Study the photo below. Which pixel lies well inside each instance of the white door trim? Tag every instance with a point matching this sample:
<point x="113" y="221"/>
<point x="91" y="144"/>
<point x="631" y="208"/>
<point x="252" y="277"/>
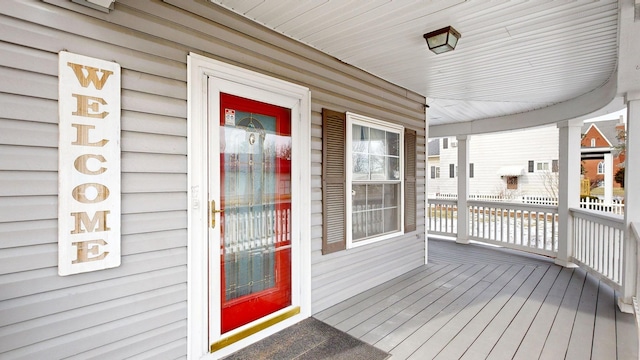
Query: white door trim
<point x="264" y="88"/>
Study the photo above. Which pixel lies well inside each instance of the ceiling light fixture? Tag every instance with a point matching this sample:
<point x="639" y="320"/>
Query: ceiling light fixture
<point x="442" y="40"/>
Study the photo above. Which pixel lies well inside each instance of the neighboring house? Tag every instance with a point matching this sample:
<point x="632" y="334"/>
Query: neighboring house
<point x="528" y="161"/>
<point x="600" y="153"/>
<point x="504" y="164"/>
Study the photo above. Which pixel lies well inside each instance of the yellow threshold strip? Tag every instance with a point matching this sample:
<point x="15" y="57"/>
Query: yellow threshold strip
<point x="254" y="329"/>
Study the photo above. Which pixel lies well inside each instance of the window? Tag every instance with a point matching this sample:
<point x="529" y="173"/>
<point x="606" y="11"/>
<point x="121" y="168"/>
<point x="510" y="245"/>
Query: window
<point x="470" y="170"/>
<point x="531" y="166"/>
<point x="601" y="168"/>
<point x="593" y="142"/>
<point x="435" y="172"/>
<point x="445" y="143"/>
<point x="452" y="170"/>
<point x="512" y="182"/>
<point x="554" y="166"/>
<point x="542" y="166"/>
<point x="374" y="179"/>
<point x="388" y="186"/>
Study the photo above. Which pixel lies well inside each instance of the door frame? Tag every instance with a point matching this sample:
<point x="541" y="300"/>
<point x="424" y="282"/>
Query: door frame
<point x="238" y="81"/>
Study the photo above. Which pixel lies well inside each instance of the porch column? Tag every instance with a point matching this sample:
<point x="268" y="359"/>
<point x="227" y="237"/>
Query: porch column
<point x="608" y="178"/>
<point x="568" y="186"/>
<point x="631" y="200"/>
<point x="463" y="190"/>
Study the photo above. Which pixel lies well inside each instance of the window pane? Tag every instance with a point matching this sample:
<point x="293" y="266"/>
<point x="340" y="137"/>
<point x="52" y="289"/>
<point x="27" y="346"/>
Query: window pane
<point x="393" y="144"/>
<point x="360" y="138"/>
<point x="391" y="195"/>
<point x="359" y="223"/>
<point x="359" y="196"/>
<point x="360" y="167"/>
<point x="377" y="143"/>
<point x="374" y="222"/>
<point x="376" y="164"/>
<point x="391" y="220"/>
<point x="393" y="169"/>
<point x="374" y="197"/>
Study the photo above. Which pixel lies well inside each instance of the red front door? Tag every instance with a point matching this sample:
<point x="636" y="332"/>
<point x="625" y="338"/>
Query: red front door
<point x="255" y="196"/>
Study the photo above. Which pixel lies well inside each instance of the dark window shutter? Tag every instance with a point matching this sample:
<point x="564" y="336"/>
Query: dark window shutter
<point x="452" y="171"/>
<point x="530" y="166"/>
<point x="445" y="143"/>
<point x="471" y="170"/>
<point x="433" y="172"/>
<point x="333" y="181"/>
<point x="410" y="196"/>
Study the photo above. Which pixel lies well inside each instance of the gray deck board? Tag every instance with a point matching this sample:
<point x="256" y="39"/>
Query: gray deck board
<point x="477" y="302"/>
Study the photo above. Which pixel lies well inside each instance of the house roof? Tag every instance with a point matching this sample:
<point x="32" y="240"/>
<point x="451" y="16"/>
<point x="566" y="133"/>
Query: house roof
<point x="517" y="64"/>
<point x="606" y="128"/>
<point x="434" y="147"/>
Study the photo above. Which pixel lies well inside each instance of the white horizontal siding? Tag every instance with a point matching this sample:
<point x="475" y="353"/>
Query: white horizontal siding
<point x="139" y="309"/>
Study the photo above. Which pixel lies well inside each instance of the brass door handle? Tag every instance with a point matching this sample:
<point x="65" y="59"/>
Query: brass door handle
<point x="213" y="211"/>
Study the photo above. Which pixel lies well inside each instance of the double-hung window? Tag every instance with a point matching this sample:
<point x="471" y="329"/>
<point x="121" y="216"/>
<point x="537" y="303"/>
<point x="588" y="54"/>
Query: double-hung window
<point x="374" y="178"/>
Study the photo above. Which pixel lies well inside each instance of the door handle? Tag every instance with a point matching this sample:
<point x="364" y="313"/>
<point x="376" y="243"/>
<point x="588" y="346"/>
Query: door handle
<point x="213" y="211"/>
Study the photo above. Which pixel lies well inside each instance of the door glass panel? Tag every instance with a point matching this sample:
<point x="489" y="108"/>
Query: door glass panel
<point x="255" y="190"/>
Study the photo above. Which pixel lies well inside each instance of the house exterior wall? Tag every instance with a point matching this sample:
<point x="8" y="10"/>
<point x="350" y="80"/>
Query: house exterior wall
<point x="490" y="152"/>
<point x="593" y="138"/>
<point x="140" y="308"/>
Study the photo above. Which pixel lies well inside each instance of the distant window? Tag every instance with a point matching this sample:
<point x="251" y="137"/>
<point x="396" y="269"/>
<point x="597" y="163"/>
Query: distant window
<point x="554" y="165"/>
<point x="445" y="143"/>
<point x="542" y="166"/>
<point x="437" y="172"/>
<point x="593" y="142"/>
<point x="471" y="170"/>
<point x="452" y="170"/>
<point x="433" y="172"/>
<point x="601" y="168"/>
<point x="512" y="182"/>
<point x="530" y="165"/>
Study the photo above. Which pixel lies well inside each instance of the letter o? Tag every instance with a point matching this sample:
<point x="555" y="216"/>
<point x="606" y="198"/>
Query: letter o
<point x="79" y="193"/>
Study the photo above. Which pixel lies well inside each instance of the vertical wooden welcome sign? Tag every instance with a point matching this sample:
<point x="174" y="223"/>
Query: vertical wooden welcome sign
<point x="88" y="164"/>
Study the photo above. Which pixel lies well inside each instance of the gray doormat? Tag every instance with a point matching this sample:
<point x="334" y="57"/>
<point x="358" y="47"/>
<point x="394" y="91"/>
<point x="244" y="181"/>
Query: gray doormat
<point x="309" y="339"/>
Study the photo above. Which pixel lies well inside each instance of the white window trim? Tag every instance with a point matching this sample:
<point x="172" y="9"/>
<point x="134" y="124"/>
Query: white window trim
<point x="367" y="121"/>
<point x="269" y="89"/>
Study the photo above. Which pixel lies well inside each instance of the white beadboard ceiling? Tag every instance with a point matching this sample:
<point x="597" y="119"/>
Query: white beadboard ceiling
<point x="513" y="57"/>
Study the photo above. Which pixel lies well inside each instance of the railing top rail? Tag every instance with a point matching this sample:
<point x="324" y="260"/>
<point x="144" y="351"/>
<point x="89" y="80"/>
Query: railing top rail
<point x="598" y="216"/>
<point x="442" y="201"/>
<point x="515" y="206"/>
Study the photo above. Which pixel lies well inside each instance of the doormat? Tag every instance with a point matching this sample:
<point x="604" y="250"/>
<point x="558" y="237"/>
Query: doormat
<point x="309" y="339"/>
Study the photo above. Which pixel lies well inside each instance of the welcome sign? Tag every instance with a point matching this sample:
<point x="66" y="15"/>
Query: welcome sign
<point x="88" y="164"/>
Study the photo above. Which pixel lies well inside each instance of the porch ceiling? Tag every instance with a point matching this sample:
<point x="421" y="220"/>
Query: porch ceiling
<point x="514" y="56"/>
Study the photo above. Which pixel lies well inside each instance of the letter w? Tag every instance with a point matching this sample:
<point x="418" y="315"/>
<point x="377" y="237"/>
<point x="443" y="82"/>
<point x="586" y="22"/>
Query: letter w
<point x="92" y="75"/>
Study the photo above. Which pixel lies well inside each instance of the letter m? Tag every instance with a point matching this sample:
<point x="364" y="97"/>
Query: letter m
<point x="91" y="75"/>
<point x="99" y="219"/>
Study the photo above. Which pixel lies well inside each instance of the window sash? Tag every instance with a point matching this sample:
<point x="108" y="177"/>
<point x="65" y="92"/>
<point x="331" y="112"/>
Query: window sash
<point x="367" y="223"/>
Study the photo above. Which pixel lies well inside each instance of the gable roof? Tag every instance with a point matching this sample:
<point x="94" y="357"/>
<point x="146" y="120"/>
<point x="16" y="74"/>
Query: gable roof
<point x="606" y="128"/>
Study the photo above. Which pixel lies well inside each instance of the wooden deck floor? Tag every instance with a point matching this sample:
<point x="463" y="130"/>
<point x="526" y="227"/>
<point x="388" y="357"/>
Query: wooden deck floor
<point x="475" y="302"/>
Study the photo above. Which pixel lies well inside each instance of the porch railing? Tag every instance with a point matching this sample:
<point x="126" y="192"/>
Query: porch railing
<point x="598" y="244"/>
<point x="532" y="228"/>
<point x="442" y="217"/>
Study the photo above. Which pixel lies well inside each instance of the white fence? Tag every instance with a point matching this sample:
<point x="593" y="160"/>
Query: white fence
<point x="585" y="203"/>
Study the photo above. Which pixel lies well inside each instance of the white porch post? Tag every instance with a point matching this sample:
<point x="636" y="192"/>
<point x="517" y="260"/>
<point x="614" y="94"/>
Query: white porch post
<point x="568" y="186"/>
<point x="608" y="178"/>
<point x="631" y="201"/>
<point x="463" y="190"/>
